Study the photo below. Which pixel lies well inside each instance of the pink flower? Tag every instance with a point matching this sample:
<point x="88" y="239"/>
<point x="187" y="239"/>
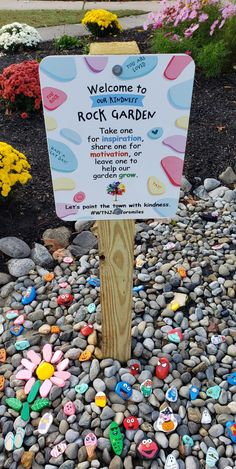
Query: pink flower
<point x="175" y="37"/>
<point x="193" y="15"/>
<point x="189" y="32"/>
<point x="222" y="24"/>
<point x="213" y="27"/>
<point x="203" y="17"/>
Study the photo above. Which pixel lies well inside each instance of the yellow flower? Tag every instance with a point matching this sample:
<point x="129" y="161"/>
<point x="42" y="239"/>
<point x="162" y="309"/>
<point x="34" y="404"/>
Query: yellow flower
<point x="14" y="168"/>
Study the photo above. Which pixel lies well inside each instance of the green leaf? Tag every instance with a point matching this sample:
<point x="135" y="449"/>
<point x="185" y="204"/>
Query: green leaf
<point x="40" y="404"/>
<point x="14" y="403"/>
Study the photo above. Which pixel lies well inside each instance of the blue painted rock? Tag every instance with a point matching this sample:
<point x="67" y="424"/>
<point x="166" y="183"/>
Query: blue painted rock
<point x="62" y="69"/>
<point x="16" y="330"/>
<point x="62" y="157"/>
<point x="172" y="394"/>
<point x="28" y="296"/>
<point x="214" y="392"/>
<point x="193" y="392"/>
<point x="22" y="344"/>
<point x="231" y="427"/>
<point x="232" y="379"/>
<point x="135" y="67"/>
<point x="123" y="390"/>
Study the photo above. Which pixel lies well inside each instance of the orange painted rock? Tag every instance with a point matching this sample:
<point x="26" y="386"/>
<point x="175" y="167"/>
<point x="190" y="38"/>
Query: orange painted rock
<point x="85" y="356"/>
<point x="48" y="277"/>
<point x="2" y="383"/>
<point x="55" y="330"/>
<point x="27" y="459"/>
<point x="3" y="355"/>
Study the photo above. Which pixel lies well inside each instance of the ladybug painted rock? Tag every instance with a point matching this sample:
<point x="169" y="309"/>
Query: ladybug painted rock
<point x="65" y="300"/>
<point x="162" y="368"/>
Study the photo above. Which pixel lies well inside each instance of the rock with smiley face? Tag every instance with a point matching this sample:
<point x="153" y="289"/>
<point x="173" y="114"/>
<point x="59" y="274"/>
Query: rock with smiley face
<point x="147" y="448"/>
<point x="166" y="421"/>
<point x="131" y="423"/>
<point x="116" y="438"/>
<point x="65" y="300"/>
<point x="90" y="443"/>
<point x="171" y="462"/>
<point x="162" y="368"/>
<point x="123" y="390"/>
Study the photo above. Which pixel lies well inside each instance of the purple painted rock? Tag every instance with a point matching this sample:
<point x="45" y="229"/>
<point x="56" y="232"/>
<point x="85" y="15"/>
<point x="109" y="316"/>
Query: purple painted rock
<point x="96" y="64"/>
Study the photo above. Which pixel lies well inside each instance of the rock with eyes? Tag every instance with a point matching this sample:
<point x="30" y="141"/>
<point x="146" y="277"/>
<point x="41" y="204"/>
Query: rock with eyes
<point x="162" y="368"/>
<point x="148" y="448"/>
<point x="131" y="423"/>
<point x="123" y="390"/>
<point x="90" y="443"/>
<point x="65" y="300"/>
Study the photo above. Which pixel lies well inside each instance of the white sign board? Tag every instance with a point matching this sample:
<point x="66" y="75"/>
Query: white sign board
<point x="116" y="130"/>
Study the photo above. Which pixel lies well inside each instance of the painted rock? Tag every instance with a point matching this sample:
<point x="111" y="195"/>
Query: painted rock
<point x="131" y="423"/>
<point x="146" y="387"/>
<point x="12" y="314"/>
<point x="175" y="336"/>
<point x="232" y="379"/>
<point x="182" y="122"/>
<point x="19" y="320"/>
<point x="34" y="357"/>
<point x="96" y="64"/>
<point x="28" y="296"/>
<point x="55" y="330"/>
<point x="162" y="368"/>
<point x="24" y="374"/>
<point x="45" y="423"/>
<point x="155" y="187"/>
<point x="22" y="344"/>
<point x="173" y="167"/>
<point x="85" y="356"/>
<point x="14" y="404"/>
<point x="90" y="443"/>
<point x="81" y="388"/>
<point x="3" y="355"/>
<point x="135" y="67"/>
<point x="214" y="392"/>
<point x="116" y="438"/>
<point x="171" y="462"/>
<point x="2" y="383"/>
<point x="87" y="330"/>
<point x="62" y="69"/>
<point x="187" y="440"/>
<point x="206" y="417"/>
<point x="135" y="369"/>
<point x="71" y="135"/>
<point x="50" y="123"/>
<point x="68" y="260"/>
<point x="58" y="450"/>
<point x="69" y="408"/>
<point x="193" y="392"/>
<point x="25" y="412"/>
<point x="138" y="288"/>
<point x="94" y="281"/>
<point x="45" y="371"/>
<point x="212" y="457"/>
<point x="166" y="421"/>
<point x="40" y="404"/>
<point x="62" y="158"/>
<point x="100" y="399"/>
<point x="27" y="459"/>
<point x="155" y="133"/>
<point x="147" y="449"/>
<point x="63" y="184"/>
<point x="176" y="142"/>
<point x="34" y="391"/>
<point x="48" y="277"/>
<point x="16" y="330"/>
<point x="180" y="95"/>
<point x="123" y="390"/>
<point x="231" y="427"/>
<point x="1" y="319"/>
<point x="174" y="306"/>
<point x="218" y="339"/>
<point x="91" y="308"/>
<point x="19" y="438"/>
<point x="172" y="394"/>
<point x="176" y="66"/>
<point x="65" y="300"/>
<point x="182" y="272"/>
<point x="28" y="365"/>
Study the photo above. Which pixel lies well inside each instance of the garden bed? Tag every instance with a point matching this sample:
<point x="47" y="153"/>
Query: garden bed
<point x="210" y="145"/>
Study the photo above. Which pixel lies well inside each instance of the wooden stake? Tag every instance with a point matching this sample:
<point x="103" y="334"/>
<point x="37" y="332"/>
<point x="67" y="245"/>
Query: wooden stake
<point x="116" y="245"/>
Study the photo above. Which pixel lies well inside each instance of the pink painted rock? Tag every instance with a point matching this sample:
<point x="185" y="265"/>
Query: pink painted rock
<point x="47" y="352"/>
<point x="176" y="65"/>
<point x="62" y="374"/>
<point x="29" y="385"/>
<point x="45" y="388"/>
<point x="20" y="320"/>
<point x="34" y="357"/>
<point x="176" y="142"/>
<point x="58" y="382"/>
<point x="69" y="408"/>
<point x="63" y="365"/>
<point x="28" y="365"/>
<point x="24" y="374"/>
<point x="96" y="64"/>
<point x="53" y="98"/>
<point x="57" y="356"/>
<point x="173" y="167"/>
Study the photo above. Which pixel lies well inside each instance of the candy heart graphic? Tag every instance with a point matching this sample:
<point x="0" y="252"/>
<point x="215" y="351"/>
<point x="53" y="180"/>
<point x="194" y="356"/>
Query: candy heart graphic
<point x="53" y="98"/>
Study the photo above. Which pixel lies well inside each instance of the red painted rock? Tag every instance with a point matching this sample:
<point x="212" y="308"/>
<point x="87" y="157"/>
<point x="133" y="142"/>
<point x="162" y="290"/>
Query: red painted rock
<point x="87" y="330"/>
<point x="131" y="423"/>
<point x="135" y="369"/>
<point x="65" y="300"/>
<point x="163" y="368"/>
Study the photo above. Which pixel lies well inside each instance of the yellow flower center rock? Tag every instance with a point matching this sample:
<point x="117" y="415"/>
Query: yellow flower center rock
<point x="45" y="371"/>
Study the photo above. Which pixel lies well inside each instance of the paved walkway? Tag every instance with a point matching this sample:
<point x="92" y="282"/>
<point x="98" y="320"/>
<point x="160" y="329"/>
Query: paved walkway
<point x="60" y="5"/>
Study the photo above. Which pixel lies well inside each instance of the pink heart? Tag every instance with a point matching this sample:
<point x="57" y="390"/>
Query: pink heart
<point x="20" y="319"/>
<point x="53" y="98"/>
<point x="176" y="142"/>
<point x="96" y="64"/>
<point x="173" y="167"/>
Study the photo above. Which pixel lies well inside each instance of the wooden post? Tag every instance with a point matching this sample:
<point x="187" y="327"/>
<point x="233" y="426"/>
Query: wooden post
<point x="116" y="244"/>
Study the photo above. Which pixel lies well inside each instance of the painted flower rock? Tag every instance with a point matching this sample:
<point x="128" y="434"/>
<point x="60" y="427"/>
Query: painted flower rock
<point x="116" y="438"/>
<point x="65" y="300"/>
<point x="166" y="421"/>
<point x="148" y="448"/>
<point x="162" y="368"/>
<point x="123" y="390"/>
<point x="28" y="296"/>
<point x="131" y="423"/>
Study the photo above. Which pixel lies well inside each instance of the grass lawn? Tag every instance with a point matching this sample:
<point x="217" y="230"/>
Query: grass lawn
<point x="40" y="18"/>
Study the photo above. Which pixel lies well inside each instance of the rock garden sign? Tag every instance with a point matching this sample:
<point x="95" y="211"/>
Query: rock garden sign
<point x="116" y="130"/>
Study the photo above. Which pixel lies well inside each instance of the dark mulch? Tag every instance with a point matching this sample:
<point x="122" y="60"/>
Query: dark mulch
<point x="210" y="149"/>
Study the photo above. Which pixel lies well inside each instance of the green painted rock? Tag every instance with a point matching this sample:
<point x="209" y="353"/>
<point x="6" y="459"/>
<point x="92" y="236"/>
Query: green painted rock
<point x="14" y="403"/>
<point x="116" y="438"/>
<point x="25" y="413"/>
<point x="40" y="404"/>
<point x="34" y="391"/>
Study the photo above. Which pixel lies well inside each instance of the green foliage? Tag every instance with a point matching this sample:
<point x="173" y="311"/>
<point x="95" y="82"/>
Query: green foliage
<point x="214" y="58"/>
<point x="66" y="42"/>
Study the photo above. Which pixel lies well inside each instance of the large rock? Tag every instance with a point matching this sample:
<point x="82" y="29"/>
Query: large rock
<point x="228" y="176"/>
<point x="41" y="256"/>
<point x="56" y="238"/>
<point x="83" y="242"/>
<point x="20" y="267"/>
<point x="14" y="247"/>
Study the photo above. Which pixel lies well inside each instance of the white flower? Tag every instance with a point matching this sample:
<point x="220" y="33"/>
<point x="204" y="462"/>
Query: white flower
<point x="14" y="35"/>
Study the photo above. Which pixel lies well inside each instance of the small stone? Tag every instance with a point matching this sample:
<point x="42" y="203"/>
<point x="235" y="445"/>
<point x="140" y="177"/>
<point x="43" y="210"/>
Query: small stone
<point x="211" y="183"/>
<point x="27" y="459"/>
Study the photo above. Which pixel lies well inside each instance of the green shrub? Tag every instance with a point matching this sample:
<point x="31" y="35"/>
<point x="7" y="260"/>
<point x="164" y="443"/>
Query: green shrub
<point x="66" y="42"/>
